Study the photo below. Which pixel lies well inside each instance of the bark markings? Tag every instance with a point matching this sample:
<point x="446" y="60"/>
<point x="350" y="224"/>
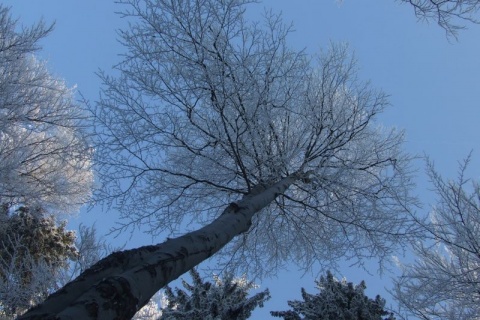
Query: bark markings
<point x="120" y="284"/>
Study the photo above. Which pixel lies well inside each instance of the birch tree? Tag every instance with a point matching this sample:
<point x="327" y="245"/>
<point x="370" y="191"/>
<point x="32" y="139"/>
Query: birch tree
<point x="215" y="120"/>
<point x="444" y="281"/>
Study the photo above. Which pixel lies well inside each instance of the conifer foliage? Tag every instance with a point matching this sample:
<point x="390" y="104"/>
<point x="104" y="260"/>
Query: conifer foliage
<point x="337" y="300"/>
<point x="33" y="250"/>
<point x="224" y="299"/>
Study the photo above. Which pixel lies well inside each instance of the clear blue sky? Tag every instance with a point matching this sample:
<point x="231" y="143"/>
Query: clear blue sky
<point x="434" y="86"/>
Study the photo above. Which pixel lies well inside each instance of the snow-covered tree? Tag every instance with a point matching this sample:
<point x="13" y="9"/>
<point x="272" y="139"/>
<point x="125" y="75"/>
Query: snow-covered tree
<point x="336" y="300"/>
<point x="444" y="281"/>
<point x="45" y="168"/>
<point x="225" y="299"/>
<point x="44" y="155"/>
<point x="216" y="120"/>
<point x="33" y="252"/>
<point x="38" y="256"/>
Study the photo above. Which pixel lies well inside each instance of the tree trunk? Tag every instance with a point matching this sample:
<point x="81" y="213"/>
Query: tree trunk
<point x="120" y="284"/>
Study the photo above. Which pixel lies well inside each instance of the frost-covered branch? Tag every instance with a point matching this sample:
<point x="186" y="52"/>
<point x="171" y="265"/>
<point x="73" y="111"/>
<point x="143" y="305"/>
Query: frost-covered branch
<point x="208" y="105"/>
<point x="44" y="156"/>
<point x="449" y="14"/>
<point x="444" y="282"/>
<point x="225" y="298"/>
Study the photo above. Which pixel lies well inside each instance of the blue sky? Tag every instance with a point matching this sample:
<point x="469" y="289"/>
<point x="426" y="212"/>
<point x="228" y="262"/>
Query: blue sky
<point x="434" y="86"/>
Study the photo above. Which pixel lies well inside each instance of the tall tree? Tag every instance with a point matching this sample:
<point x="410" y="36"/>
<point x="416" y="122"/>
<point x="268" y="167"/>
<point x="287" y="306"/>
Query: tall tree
<point x="216" y="120"/>
<point x="44" y="155"/>
<point x="444" y="282"/>
<point x="225" y="299"/>
<point x="337" y="300"/>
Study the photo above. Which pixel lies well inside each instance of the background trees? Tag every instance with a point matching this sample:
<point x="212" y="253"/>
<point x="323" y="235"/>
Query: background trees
<point x="44" y="155"/>
<point x="444" y="282"/>
<point x="44" y="169"/>
<point x="336" y="300"/>
<point x="153" y="309"/>
<point x="33" y="252"/>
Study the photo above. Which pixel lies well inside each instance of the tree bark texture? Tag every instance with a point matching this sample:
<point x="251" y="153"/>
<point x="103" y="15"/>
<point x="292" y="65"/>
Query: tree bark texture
<point x="120" y="284"/>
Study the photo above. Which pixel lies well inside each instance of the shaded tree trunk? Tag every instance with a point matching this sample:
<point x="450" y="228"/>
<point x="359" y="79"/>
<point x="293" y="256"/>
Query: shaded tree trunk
<point x="120" y="284"/>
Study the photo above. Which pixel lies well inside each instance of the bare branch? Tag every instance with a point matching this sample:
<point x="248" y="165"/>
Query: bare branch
<point x="449" y="14"/>
<point x="443" y="283"/>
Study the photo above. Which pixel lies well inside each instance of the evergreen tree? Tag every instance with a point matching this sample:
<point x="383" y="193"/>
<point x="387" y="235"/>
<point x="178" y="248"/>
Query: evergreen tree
<point x="33" y="250"/>
<point x="337" y="300"/>
<point x="224" y="299"/>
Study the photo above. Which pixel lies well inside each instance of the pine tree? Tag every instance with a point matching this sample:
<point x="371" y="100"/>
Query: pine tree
<point x="224" y="299"/>
<point x="33" y="250"/>
<point x="337" y="300"/>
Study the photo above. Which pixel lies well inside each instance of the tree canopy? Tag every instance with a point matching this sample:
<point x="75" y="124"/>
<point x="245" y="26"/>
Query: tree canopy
<point x="208" y="107"/>
<point x="45" y="159"/>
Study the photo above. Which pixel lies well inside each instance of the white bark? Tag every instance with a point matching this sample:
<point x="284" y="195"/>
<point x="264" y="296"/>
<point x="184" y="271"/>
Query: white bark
<point x="119" y="285"/>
